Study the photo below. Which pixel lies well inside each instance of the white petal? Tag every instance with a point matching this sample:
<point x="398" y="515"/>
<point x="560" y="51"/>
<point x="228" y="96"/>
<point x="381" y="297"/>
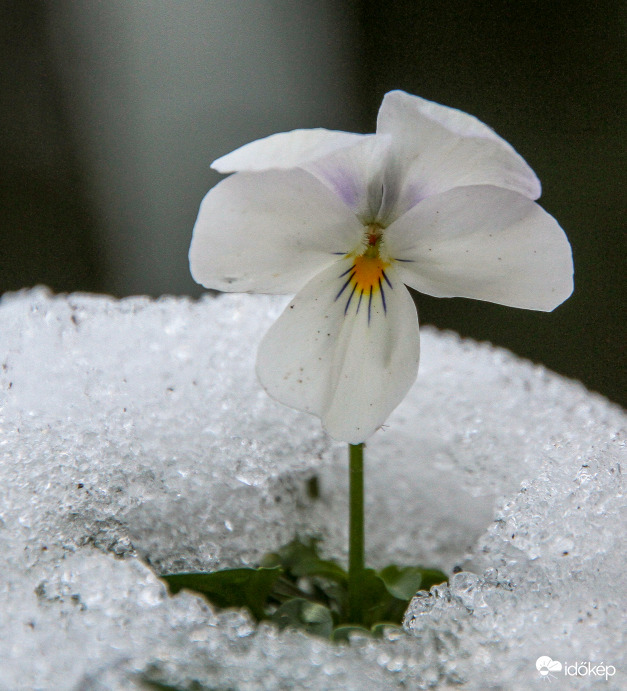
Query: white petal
<point x="398" y="104"/>
<point x="485" y="243"/>
<point x="362" y="175"/>
<point x="269" y="232"/>
<point x="349" y="362"/>
<point x="444" y="148"/>
<point x="284" y="150"/>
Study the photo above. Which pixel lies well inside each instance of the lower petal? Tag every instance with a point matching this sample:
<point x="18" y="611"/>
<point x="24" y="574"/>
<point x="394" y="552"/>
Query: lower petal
<point x="345" y="354"/>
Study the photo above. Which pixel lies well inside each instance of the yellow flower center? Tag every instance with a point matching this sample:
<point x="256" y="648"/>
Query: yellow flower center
<point x="368" y="273"/>
<point x="366" y="276"/>
<point x="368" y="268"/>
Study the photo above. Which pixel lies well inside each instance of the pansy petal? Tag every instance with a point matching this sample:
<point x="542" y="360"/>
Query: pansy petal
<point x="284" y="150"/>
<point x="347" y="357"/>
<point x="456" y="121"/>
<point x="442" y="148"/>
<point x="269" y="232"/>
<point x="362" y="175"/>
<point x="485" y="243"/>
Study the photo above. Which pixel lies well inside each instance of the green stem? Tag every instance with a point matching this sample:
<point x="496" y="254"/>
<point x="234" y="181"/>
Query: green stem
<point x="356" y="532"/>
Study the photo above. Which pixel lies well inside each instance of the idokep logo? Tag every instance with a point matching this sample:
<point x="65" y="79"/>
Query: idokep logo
<point x="549" y="668"/>
<point x="589" y="669"/>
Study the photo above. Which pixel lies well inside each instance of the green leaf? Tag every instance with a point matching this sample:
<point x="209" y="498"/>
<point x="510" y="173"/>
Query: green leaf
<point x="148" y="683"/>
<point x="379" y="628"/>
<point x="377" y="603"/>
<point x="373" y="590"/>
<point x="431" y="577"/>
<point x="404" y="582"/>
<point x="306" y="616"/>
<point x="300" y="559"/>
<point x="230" y="587"/>
<point x="311" y="593"/>
<point x="158" y="686"/>
<point x="342" y="633"/>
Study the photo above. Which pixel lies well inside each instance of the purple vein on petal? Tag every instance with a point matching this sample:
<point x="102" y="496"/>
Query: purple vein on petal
<point x="346" y="272"/>
<point x="343" y="288"/>
<point x="387" y="280"/>
<point x="369" y="305"/>
<point x="359" y="303"/>
<point x="350" y="297"/>
<point x="385" y="309"/>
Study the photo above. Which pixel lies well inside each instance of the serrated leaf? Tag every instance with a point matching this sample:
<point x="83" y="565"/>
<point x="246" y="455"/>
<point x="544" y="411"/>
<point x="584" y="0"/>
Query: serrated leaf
<point x="307" y="616"/>
<point x="230" y="587"/>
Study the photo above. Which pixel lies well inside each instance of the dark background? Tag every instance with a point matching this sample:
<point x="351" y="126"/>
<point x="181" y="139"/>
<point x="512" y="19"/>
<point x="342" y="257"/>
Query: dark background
<point x="111" y="114"/>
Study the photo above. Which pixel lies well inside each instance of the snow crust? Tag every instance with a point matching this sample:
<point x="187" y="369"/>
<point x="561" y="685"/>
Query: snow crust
<point x="135" y="440"/>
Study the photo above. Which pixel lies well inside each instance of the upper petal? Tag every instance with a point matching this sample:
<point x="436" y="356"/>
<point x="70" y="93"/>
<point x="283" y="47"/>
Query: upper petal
<point x="363" y="175"/>
<point x="442" y="148"/>
<point x="485" y="243"/>
<point x="284" y="150"/>
<point x="269" y="232"/>
<point x="399" y="104"/>
<point x="349" y="359"/>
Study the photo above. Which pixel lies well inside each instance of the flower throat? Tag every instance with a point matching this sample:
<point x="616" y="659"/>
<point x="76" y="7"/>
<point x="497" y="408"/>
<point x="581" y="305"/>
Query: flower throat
<point x="368" y="270"/>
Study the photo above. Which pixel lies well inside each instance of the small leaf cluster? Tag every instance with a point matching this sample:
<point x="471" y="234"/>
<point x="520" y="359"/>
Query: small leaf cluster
<point x="294" y="587"/>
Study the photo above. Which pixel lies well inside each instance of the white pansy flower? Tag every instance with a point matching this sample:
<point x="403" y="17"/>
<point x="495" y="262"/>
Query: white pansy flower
<point x="435" y="200"/>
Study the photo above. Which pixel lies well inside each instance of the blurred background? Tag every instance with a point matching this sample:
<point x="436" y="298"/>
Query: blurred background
<point x="111" y="113"/>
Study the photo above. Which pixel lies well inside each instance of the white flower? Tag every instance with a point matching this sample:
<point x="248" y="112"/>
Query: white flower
<point x="435" y="200"/>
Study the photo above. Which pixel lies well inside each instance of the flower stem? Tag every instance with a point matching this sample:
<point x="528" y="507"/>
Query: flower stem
<point x="356" y="532"/>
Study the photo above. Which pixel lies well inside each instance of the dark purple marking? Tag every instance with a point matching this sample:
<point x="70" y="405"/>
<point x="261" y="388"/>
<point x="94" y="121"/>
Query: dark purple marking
<point x="385" y="309"/>
<point x="359" y="303"/>
<point x="350" y="297"/>
<point x="369" y="305"/>
<point x="387" y="280"/>
<point x="346" y="272"/>
<point x="343" y="288"/>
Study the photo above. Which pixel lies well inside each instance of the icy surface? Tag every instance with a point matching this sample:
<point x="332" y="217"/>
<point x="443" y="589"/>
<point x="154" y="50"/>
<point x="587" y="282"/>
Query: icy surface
<point x="135" y="440"/>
